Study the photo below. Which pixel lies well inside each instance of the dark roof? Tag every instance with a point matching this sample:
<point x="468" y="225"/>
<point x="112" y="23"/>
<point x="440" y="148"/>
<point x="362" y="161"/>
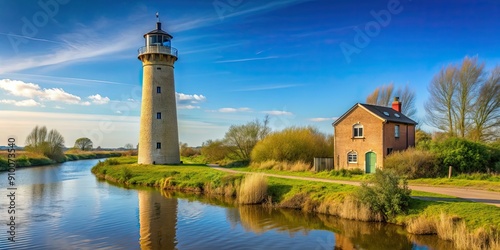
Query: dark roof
<point x="385" y="113"/>
<point x="158" y="31"/>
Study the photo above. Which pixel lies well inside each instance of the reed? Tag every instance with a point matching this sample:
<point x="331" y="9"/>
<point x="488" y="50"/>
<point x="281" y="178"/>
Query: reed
<point x="253" y="189"/>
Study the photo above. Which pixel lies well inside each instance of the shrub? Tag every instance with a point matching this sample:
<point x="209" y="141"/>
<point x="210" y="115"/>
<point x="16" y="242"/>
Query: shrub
<point x="384" y="194"/>
<point x="214" y="151"/>
<point x="463" y="155"/>
<point x="111" y="162"/>
<point x="293" y="145"/>
<point x="412" y="163"/>
<point x="126" y="174"/>
<point x="253" y="189"/>
<point x="298" y="166"/>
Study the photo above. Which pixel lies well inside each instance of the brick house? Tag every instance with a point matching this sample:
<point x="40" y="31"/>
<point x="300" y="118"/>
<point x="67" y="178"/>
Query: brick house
<point x="367" y="133"/>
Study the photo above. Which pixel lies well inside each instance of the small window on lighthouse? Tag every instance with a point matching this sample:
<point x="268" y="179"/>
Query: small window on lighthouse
<point x="158" y="145"/>
<point x="158" y="115"/>
<point x="158" y="89"/>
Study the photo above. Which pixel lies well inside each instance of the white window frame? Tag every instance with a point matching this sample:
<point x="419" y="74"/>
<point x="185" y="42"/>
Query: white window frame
<point x="356" y="128"/>
<point x="352" y="157"/>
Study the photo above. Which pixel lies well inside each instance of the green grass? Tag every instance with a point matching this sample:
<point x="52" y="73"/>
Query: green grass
<point x="305" y="195"/>
<point x="476" y="215"/>
<point x="456" y="182"/>
<point x="330" y="175"/>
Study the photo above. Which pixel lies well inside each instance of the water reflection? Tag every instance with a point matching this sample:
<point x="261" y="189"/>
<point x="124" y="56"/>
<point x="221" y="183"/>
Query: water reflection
<point x="157" y="219"/>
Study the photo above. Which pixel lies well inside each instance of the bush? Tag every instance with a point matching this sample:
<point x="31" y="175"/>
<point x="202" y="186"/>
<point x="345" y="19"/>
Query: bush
<point x="463" y="155"/>
<point x="293" y="145"/>
<point x="298" y="166"/>
<point x="384" y="194"/>
<point x="214" y="151"/>
<point x="253" y="189"/>
<point x="412" y="163"/>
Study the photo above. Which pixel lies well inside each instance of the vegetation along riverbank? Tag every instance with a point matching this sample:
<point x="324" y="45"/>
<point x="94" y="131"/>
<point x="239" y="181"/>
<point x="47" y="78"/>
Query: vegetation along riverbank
<point x="468" y="225"/>
<point x="30" y="159"/>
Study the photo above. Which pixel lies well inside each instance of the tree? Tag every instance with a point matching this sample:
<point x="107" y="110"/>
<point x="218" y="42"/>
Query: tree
<point x="383" y="96"/>
<point x="214" y="151"/>
<point x="293" y="145"/>
<point x="84" y="144"/>
<point x="440" y="107"/>
<point x="50" y="145"/>
<point x="129" y="146"/>
<point x="464" y="103"/>
<point x="486" y="115"/>
<point x="241" y="139"/>
<point x="469" y="78"/>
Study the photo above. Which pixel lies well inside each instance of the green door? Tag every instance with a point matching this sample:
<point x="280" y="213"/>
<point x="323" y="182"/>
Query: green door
<point x="370" y="161"/>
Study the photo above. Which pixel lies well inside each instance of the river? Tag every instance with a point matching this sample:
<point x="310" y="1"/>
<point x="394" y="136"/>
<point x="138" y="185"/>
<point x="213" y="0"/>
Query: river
<point x="65" y="207"/>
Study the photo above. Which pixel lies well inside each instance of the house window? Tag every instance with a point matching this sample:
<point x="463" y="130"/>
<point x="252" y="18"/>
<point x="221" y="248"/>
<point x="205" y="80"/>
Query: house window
<point x="357" y="131"/>
<point x="158" y="89"/>
<point x="158" y="145"/>
<point x="396" y="131"/>
<point x="352" y="157"/>
<point x="158" y="115"/>
<point x="158" y="68"/>
<point x="389" y="151"/>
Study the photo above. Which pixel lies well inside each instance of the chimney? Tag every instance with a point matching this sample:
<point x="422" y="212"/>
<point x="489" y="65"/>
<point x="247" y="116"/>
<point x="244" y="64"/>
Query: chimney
<point x="396" y="104"/>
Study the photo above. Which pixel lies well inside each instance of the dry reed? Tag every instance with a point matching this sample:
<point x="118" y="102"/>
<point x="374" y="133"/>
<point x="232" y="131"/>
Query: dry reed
<point x="253" y="189"/>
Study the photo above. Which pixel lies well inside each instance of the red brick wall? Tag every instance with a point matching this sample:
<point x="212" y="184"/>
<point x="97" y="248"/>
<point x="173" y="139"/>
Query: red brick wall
<point x="372" y="141"/>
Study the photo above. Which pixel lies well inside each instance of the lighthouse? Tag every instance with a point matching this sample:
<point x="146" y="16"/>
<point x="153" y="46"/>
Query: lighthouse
<point x="158" y="133"/>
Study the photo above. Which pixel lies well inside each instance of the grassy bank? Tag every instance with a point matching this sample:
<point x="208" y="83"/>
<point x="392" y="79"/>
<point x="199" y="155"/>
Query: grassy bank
<point x="28" y="159"/>
<point x="476" y="181"/>
<point x="476" y="222"/>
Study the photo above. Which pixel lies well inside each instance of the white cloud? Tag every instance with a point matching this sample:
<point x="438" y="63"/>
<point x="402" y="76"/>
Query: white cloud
<point x="98" y="99"/>
<point x="323" y="119"/>
<point x="58" y="94"/>
<point x="188" y="107"/>
<point x="234" y="110"/>
<point x="277" y="112"/>
<point x="23" y="103"/>
<point x="184" y="98"/>
<point x="19" y="88"/>
<point x="34" y="91"/>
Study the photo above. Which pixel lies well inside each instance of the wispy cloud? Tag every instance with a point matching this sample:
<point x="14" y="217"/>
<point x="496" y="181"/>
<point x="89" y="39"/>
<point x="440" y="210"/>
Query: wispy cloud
<point x="268" y="87"/>
<point x="248" y="59"/>
<point x="59" y="79"/>
<point x="323" y="119"/>
<point x="23" y="103"/>
<point x="277" y="112"/>
<point x="234" y="110"/>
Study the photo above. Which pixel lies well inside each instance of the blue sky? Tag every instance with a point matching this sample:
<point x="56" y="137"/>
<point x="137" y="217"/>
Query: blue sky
<point x="72" y="65"/>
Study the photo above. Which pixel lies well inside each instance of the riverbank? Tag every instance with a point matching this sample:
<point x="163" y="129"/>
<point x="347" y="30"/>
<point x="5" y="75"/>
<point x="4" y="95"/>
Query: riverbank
<point x="27" y="159"/>
<point x="469" y="225"/>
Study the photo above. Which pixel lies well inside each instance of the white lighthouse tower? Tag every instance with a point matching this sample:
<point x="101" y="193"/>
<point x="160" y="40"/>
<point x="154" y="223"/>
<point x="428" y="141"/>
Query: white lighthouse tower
<point x="158" y="138"/>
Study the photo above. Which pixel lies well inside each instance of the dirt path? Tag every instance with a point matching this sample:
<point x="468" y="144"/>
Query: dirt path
<point x="488" y="197"/>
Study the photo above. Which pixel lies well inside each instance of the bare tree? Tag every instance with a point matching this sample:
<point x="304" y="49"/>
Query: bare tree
<point x="440" y="106"/>
<point x="463" y="103"/>
<point x="383" y="96"/>
<point x="469" y="79"/>
<point x="50" y="144"/>
<point x="36" y="139"/>
<point x="486" y="110"/>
